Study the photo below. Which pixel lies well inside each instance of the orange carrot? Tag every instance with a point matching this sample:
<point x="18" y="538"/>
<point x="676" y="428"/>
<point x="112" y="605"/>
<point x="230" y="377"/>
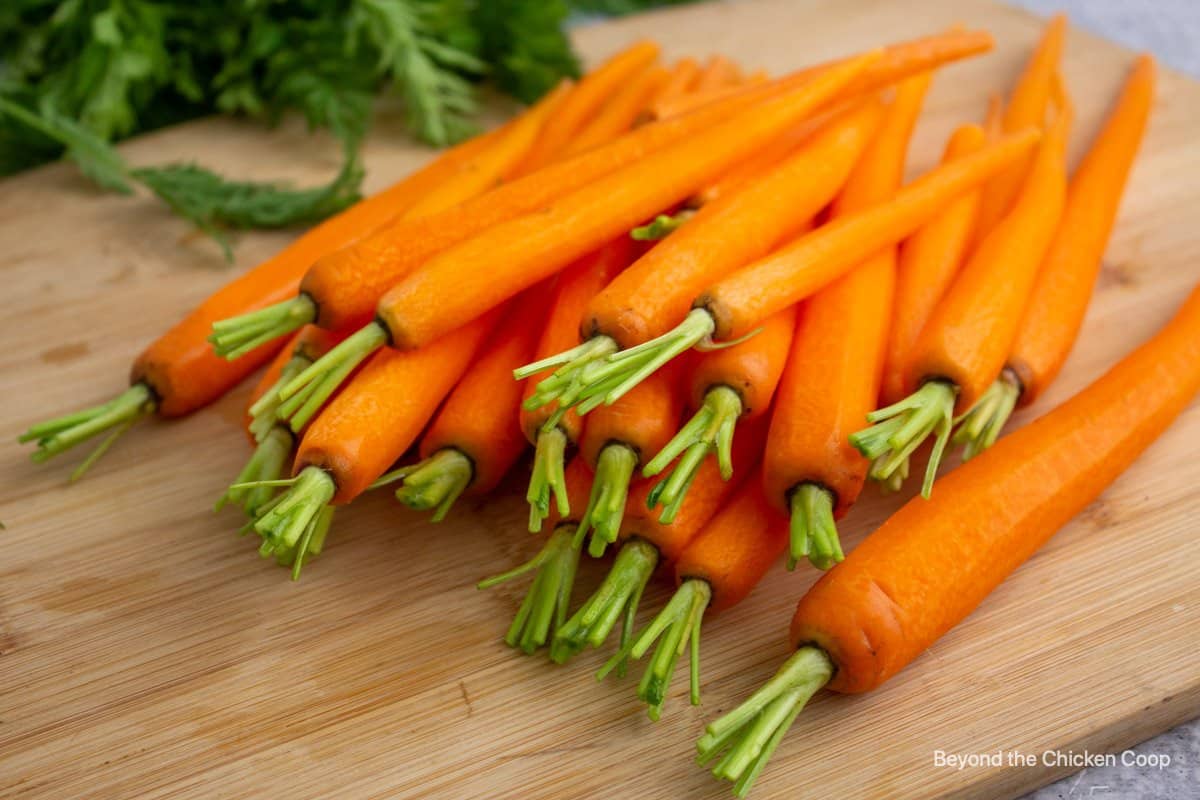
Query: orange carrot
<point x="1060" y="296"/>
<point x="718" y="73"/>
<point x="362" y="432"/>
<point x="648" y="542"/>
<point x="619" y="114"/>
<point x="966" y="341"/>
<point x="474" y="276"/>
<point x="735" y="305"/>
<point x="681" y="81"/>
<point x="932" y="563"/>
<point x="594" y="89"/>
<point x="831" y="382"/>
<point x="544" y="608"/>
<point x="654" y="293"/>
<point x="549" y="432"/>
<point x="1027" y="106"/>
<point x="928" y="262"/>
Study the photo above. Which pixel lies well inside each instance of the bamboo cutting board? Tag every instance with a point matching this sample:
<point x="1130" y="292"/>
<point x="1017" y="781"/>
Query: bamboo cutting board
<point x="146" y="651"/>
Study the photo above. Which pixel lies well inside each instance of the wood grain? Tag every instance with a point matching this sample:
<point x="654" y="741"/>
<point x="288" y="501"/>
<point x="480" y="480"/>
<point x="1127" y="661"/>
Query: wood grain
<point x="145" y="650"/>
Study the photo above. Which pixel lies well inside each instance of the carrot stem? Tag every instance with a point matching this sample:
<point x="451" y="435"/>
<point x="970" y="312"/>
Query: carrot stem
<point x="564" y="382"/>
<point x="264" y="412"/>
<point x="117" y="415"/>
<point x="437" y="482"/>
<point x="302" y="396"/>
<point x="289" y="526"/>
<point x="813" y="532"/>
<point x="234" y="337"/>
<point x="606" y="503"/>
<point x="548" y="478"/>
<point x="676" y="628"/>
<point x="901" y="428"/>
<point x="671" y="491"/>
<point x="980" y="426"/>
<point x="661" y="226"/>
<point x="713" y="426"/>
<point x="544" y="609"/>
<point x="751" y="732"/>
<point x="269" y="461"/>
<point x="619" y="593"/>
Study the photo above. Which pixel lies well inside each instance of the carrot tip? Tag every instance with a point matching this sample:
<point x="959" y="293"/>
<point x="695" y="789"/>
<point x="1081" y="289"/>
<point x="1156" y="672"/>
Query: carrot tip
<point x="267" y="464"/>
<point x="548" y="479"/>
<point x="436" y="482"/>
<point x="303" y="396"/>
<point x="661" y="226"/>
<point x="814" y="534"/>
<point x="297" y="520"/>
<point x="751" y="732"/>
<point x="606" y="503"/>
<point x="234" y="337"/>
<point x="618" y="595"/>
<point x="545" y="606"/>
<point x="115" y="417"/>
<point x="980" y="426"/>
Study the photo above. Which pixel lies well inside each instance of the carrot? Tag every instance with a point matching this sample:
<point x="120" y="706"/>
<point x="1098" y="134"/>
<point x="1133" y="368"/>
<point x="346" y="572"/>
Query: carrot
<point x="619" y="114"/>
<point x="362" y="432"/>
<point x="648" y="542"/>
<point x="927" y="264"/>
<point x="726" y="386"/>
<point x="719" y="72"/>
<point x="616" y="441"/>
<point x="544" y="608"/>
<point x="1060" y="296"/>
<point x="831" y="381"/>
<point x="464" y="281"/>
<point x="178" y="373"/>
<point x="734" y="306"/>
<point x="1027" y="106"/>
<point x="966" y="341"/>
<point x="655" y="291"/>
<point x="932" y="563"/>
<point x="594" y="89"/>
<point x="549" y="432"/>
<point x="681" y="81"/>
<point x="472" y="442"/>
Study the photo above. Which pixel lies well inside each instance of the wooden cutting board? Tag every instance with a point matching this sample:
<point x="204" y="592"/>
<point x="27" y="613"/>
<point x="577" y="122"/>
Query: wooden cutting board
<point x="146" y="651"/>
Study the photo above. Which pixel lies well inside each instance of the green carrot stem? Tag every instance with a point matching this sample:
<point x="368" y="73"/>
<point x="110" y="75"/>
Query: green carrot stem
<point x="662" y="226"/>
<point x="814" y="533"/>
<point x="264" y="413"/>
<point x="672" y="491"/>
<point x="116" y="416"/>
<point x="302" y="396"/>
<point x="569" y="365"/>
<point x="606" y="503"/>
<point x="437" y="482"/>
<point x="750" y="733"/>
<point x="929" y="411"/>
<point x="980" y="426"/>
<point x="297" y="514"/>
<point x="544" y="608"/>
<point x="712" y="425"/>
<point x="617" y="596"/>
<point x="234" y="337"/>
<point x="548" y="479"/>
<point x="676" y="628"/>
<point x="269" y="461"/>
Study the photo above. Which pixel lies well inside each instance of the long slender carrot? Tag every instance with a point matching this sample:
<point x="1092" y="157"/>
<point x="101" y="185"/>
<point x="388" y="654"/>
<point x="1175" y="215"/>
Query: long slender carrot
<point x="359" y="435"/>
<point x="178" y="373"/>
<point x="472" y="441"/>
<point x="718" y="72"/>
<point x="545" y="606"/>
<point x="650" y="296"/>
<point x="646" y="543"/>
<point x="726" y="387"/>
<point x="682" y="81"/>
<point x="964" y="345"/>
<point x="735" y="305"/>
<point x="928" y="262"/>
<point x="932" y="563"/>
<point x="1064" y="284"/>
<point x="470" y="278"/>
<point x="832" y="377"/>
<point x="619" y="114"/>
<point x="594" y="89"/>
<point x="550" y="433"/>
<point x="1027" y="106"/>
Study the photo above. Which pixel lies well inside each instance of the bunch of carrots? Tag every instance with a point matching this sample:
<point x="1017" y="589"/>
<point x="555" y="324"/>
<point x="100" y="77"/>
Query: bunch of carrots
<point x="726" y="311"/>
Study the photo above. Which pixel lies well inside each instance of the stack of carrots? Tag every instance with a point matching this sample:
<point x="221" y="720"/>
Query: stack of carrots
<point x="729" y="312"/>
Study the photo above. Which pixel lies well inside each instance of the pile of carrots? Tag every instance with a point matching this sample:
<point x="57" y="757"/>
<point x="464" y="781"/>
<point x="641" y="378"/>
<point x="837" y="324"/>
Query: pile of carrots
<point x="726" y="311"/>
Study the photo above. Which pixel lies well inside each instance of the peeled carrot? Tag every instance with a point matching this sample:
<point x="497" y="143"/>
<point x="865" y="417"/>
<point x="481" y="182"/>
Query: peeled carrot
<point x="648" y="542"/>
<point x="619" y="114"/>
<point x="549" y="432"/>
<point x="831" y="382"/>
<point x="928" y="262"/>
<point x="681" y="81"/>
<point x="359" y="435"/>
<point x="932" y="563"/>
<point x="718" y="72"/>
<point x="966" y="341"/>
<point x="654" y="293"/>
<point x="472" y="441"/>
<point x="1060" y="296"/>
<point x="1027" y="106"/>
<point x="544" y="608"/>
